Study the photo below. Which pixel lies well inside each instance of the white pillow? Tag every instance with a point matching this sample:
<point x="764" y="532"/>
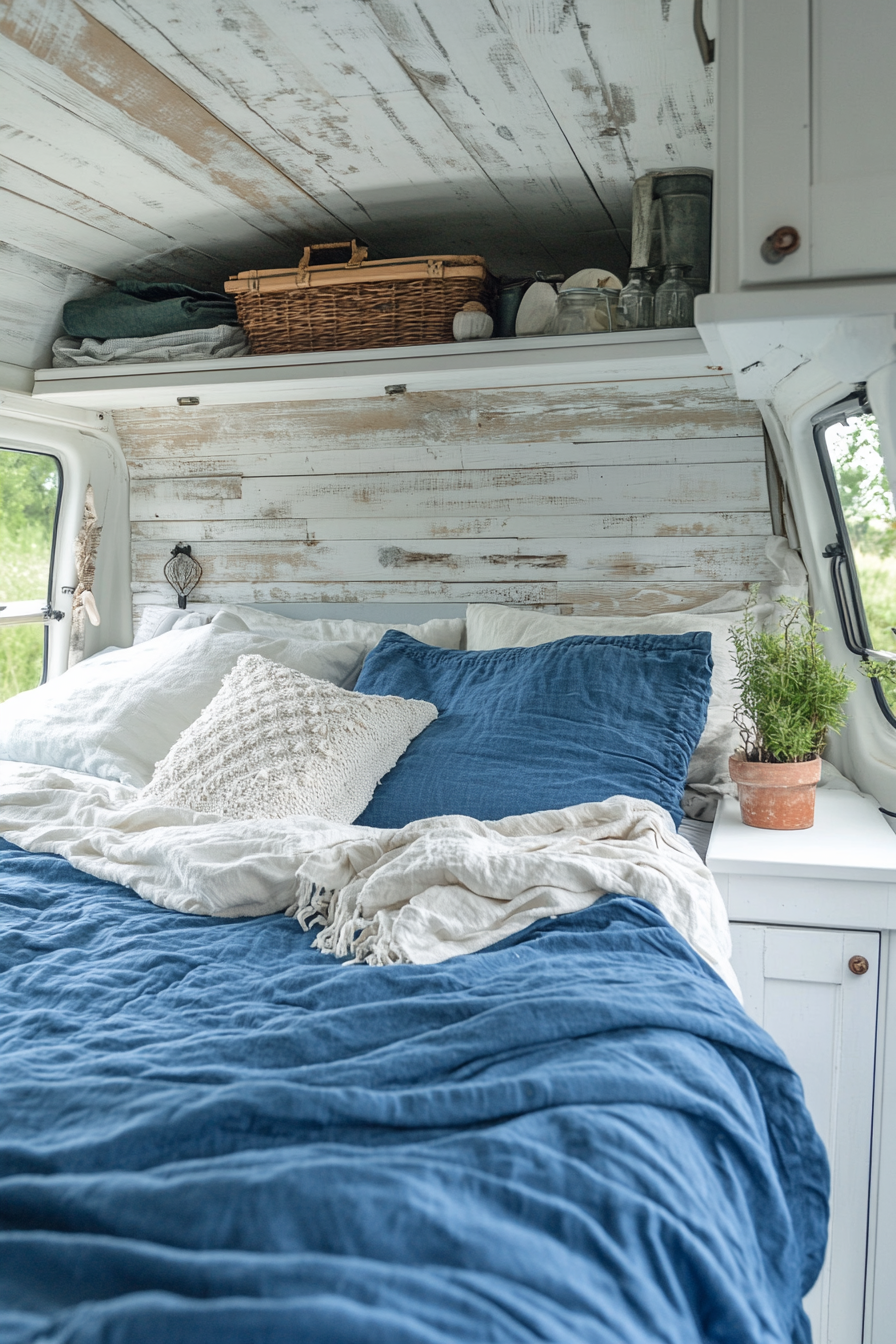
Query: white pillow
<point x="115" y="715"/>
<point x="443" y="632"/>
<point x="155" y="621"/>
<point x="274" y="743"/>
<point x="492" y="627"/>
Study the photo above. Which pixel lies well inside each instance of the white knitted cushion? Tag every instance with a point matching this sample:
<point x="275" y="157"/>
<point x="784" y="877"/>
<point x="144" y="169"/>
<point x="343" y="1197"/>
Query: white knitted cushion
<point x="275" y="743"/>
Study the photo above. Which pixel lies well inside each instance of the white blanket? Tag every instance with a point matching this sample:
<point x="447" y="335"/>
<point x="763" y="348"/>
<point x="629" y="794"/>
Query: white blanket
<point x="429" y="891"/>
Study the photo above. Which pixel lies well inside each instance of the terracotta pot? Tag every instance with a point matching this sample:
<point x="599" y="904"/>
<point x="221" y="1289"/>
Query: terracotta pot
<point x="776" y="797"/>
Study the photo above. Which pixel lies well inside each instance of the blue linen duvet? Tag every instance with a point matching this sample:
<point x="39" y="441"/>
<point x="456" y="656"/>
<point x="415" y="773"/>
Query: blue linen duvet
<point x="211" y="1134"/>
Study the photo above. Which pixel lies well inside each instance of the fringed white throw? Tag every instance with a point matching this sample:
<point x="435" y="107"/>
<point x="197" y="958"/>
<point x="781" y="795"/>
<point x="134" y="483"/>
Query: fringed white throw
<point x="422" y="894"/>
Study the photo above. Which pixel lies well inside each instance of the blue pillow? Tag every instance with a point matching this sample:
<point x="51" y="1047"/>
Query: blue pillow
<point x="521" y="730"/>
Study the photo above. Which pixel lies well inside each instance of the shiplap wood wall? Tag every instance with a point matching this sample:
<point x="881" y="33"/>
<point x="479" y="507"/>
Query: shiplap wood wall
<point x="182" y="141"/>
<point x="631" y="496"/>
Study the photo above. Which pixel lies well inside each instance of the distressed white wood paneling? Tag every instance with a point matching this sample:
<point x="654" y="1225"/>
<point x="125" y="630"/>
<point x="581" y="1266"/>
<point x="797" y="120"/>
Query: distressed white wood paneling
<point x="625" y="104"/>
<point x="566" y="597"/>
<point x="154" y="139"/>
<point x="496" y="526"/>
<point x="536" y="492"/>
<point x="205" y="459"/>
<point x="459" y="497"/>
<point x="555" y="421"/>
<point x="659" y="558"/>
<point x="32" y="292"/>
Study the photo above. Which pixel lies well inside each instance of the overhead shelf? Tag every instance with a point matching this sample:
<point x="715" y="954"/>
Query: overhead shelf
<point x="523" y="362"/>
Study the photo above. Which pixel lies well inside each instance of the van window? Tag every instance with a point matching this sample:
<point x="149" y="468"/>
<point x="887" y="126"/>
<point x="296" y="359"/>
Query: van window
<point x="29" y="499"/>
<point x="867" y="533"/>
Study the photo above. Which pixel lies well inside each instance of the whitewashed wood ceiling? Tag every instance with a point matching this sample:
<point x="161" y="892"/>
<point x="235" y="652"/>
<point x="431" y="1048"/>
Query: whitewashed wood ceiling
<point x="188" y="139"/>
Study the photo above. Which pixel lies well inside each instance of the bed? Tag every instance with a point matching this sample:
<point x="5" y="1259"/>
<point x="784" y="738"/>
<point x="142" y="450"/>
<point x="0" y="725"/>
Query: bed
<point x="209" y="1131"/>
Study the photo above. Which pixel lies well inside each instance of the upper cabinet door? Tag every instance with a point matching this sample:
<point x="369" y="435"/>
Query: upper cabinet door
<point x="773" y="84"/>
<point x="807" y="139"/>
<point x="853" y="185"/>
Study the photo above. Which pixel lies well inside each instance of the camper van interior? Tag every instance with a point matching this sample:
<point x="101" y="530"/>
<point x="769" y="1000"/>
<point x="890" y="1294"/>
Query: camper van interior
<point x="447" y="672"/>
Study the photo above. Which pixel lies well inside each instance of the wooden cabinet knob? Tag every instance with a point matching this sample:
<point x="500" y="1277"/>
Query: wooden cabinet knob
<point x="780" y="244"/>
<point x="858" y="965"/>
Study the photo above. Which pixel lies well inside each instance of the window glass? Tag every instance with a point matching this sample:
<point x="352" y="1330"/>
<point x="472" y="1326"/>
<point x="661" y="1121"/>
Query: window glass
<point x="29" y="492"/>
<point x="867" y="503"/>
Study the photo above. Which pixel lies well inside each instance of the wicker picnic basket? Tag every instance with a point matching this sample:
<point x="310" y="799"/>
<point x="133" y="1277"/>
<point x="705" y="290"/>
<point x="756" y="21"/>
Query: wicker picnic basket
<point x="357" y="304"/>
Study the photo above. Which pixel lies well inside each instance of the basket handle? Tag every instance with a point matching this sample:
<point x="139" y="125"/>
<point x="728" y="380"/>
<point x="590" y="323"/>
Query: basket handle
<point x="359" y="254"/>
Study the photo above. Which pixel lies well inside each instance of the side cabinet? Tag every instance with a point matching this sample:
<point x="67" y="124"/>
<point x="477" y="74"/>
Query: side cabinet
<point x="809" y="989"/>
<point x="807" y="103"/>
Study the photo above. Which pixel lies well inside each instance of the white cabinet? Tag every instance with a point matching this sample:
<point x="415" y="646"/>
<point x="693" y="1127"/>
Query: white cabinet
<point x="799" y="985"/>
<point x="807" y="107"/>
<point x="802" y="905"/>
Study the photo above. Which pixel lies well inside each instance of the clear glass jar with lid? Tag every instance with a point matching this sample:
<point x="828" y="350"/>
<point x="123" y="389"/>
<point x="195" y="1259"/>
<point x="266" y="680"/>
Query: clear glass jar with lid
<point x="675" y="299"/>
<point x="582" y="312"/>
<point x="635" y="309"/>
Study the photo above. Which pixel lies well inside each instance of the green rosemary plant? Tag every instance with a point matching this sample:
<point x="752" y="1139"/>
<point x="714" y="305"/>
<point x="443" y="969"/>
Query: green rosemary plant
<point x="790" y="694"/>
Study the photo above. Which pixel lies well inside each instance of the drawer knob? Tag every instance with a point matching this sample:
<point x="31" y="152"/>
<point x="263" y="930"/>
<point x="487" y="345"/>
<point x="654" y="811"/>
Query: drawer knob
<point x="858" y="965"/>
<point x="780" y="244"/>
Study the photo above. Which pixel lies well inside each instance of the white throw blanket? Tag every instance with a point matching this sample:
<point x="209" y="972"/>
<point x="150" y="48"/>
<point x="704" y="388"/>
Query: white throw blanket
<point x="432" y="890"/>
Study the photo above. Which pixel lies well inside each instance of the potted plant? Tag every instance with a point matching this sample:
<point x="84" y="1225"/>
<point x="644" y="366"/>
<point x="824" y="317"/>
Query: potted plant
<point x="790" y="697"/>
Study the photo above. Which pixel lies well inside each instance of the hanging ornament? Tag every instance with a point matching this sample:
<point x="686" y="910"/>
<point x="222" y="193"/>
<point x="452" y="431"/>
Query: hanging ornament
<point x="183" y="572"/>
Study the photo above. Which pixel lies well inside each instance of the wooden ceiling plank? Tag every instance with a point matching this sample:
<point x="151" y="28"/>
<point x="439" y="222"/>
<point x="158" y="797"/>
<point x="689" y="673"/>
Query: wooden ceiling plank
<point x="68" y="56"/>
<point x="131" y="240"/>
<point x="221" y="76"/>
<point x="626" y="83"/>
<point x="36" y="131"/>
<point x="317" y="92"/>
<point x="466" y="65"/>
<point x="39" y="228"/>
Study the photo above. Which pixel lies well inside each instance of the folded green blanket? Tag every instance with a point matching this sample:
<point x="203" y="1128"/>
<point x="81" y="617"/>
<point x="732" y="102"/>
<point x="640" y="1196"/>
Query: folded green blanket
<point x="136" y="308"/>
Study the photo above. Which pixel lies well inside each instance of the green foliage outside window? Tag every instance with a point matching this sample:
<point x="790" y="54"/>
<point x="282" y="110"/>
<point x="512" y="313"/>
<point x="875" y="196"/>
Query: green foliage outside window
<point x="29" y="486"/>
<point x="870" y="520"/>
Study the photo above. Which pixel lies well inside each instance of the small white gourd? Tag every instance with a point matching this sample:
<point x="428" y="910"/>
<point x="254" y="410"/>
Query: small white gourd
<point x="472" y="323"/>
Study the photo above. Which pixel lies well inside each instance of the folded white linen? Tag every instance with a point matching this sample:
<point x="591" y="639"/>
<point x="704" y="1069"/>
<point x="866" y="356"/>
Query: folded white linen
<point x="430" y="891"/>
<point x="221" y="342"/>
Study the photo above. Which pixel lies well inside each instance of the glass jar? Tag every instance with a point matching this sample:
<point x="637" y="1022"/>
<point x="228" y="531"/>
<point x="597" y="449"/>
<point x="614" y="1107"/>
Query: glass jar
<point x="675" y="299"/>
<point x="635" y="302"/>
<point x="582" y="312"/>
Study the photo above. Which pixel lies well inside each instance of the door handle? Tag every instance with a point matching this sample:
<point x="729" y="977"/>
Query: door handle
<point x="706" y="43"/>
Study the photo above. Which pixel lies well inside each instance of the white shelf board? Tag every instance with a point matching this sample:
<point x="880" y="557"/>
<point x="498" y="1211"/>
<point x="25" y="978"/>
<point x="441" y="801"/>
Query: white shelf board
<point x="537" y="360"/>
<point x="850" y="840"/>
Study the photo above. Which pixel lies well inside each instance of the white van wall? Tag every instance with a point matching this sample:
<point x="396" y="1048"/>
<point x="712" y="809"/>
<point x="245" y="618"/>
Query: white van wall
<point x="866" y="749"/>
<point x="88" y="451"/>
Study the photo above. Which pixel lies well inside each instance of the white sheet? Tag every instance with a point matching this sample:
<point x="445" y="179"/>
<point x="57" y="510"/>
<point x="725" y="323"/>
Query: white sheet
<point x="422" y="894"/>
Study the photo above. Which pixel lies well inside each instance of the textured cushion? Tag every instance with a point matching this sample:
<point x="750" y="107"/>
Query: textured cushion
<point x="494" y="627"/>
<point x="115" y="715"/>
<point x="520" y="730"/>
<point x="275" y="743"/>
